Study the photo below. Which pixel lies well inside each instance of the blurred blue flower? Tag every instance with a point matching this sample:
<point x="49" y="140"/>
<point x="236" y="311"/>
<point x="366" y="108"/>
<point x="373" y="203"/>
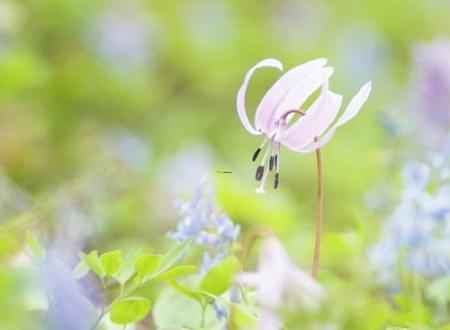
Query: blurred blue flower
<point x="180" y="173"/>
<point x="122" y="36"/>
<point x="130" y="149"/>
<point x="201" y="222"/>
<point x="211" y="229"/>
<point x="416" y="237"/>
<point x="69" y="308"/>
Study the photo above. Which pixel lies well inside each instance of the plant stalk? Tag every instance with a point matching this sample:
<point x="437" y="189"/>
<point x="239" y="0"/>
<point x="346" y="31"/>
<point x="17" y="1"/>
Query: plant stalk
<point x="319" y="221"/>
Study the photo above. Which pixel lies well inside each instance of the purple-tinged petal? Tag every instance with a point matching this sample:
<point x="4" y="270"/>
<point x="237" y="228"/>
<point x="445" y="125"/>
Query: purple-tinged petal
<point x="301" y="80"/>
<point x="248" y="278"/>
<point x="351" y="111"/>
<point x="298" y="95"/>
<point x="303" y="289"/>
<point x="269" y="320"/>
<point x="316" y="120"/>
<point x="240" y="102"/>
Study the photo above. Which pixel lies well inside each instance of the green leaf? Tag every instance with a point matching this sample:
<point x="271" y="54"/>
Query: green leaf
<point x="197" y="295"/>
<point x="129" y="310"/>
<point x="176" y="272"/>
<point x="35" y="246"/>
<point x="93" y="262"/>
<point x="128" y="269"/>
<point x="80" y="270"/>
<point x="220" y="277"/>
<point x="171" y="257"/>
<point x="173" y="309"/>
<point x="146" y="264"/>
<point x="111" y="262"/>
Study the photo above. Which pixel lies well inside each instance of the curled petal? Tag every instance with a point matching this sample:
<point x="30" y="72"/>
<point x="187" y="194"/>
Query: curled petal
<point x="240" y="102"/>
<point x="351" y="111"/>
<point x="316" y="120"/>
<point x="290" y="91"/>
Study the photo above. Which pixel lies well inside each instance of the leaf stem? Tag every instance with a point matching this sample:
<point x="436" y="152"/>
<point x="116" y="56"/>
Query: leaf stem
<point x="203" y="318"/>
<point x="319" y="221"/>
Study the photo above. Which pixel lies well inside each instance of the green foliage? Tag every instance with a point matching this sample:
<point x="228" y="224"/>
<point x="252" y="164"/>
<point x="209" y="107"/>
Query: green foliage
<point x="146" y="264"/>
<point x="220" y="277"/>
<point x="175" y="272"/>
<point x="93" y="262"/>
<point x="145" y="269"/>
<point x="35" y="246"/>
<point x="67" y="102"/>
<point x="173" y="309"/>
<point x="129" y="310"/>
<point x="173" y="256"/>
<point x="111" y="262"/>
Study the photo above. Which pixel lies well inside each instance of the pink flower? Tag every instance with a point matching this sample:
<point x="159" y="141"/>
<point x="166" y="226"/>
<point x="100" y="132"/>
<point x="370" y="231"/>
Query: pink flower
<point x="279" y="282"/>
<point x="313" y="129"/>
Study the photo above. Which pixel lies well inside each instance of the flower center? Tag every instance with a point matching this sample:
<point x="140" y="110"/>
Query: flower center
<point x="272" y="153"/>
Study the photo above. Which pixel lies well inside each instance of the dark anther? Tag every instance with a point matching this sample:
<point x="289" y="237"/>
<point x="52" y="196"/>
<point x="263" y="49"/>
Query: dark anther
<point x="259" y="173"/>
<point x="271" y="162"/>
<point x="255" y="155"/>
<point x="276" y="160"/>
<point x="277" y="180"/>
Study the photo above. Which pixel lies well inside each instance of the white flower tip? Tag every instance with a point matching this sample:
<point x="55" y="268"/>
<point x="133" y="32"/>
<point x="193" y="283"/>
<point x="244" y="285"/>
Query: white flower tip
<point x="367" y="86"/>
<point x="260" y="191"/>
<point x="272" y="62"/>
<point x="328" y="71"/>
<point x="322" y="60"/>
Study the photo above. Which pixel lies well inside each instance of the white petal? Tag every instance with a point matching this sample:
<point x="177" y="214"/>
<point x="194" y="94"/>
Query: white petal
<point x="350" y="112"/>
<point x="240" y="101"/>
<point x="316" y="120"/>
<point x="355" y="104"/>
<point x="302" y="81"/>
<point x="303" y="289"/>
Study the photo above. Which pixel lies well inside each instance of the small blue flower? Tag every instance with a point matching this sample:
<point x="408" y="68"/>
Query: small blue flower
<point x="416" y="236"/>
<point x="211" y="229"/>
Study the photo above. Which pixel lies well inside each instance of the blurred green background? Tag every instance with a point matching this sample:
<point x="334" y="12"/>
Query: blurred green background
<point x="111" y="109"/>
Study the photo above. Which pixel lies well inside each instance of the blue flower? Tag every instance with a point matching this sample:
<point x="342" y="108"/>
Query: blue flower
<point x="211" y="229"/>
<point x="416" y="237"/>
<point x="201" y="222"/>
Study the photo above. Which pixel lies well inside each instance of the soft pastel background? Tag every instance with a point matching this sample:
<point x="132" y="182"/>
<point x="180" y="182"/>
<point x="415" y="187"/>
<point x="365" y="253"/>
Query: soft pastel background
<point x="110" y="110"/>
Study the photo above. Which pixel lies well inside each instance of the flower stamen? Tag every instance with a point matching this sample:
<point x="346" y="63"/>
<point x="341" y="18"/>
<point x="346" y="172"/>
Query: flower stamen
<point x="258" y="150"/>
<point x="259" y="173"/>
<point x="277" y="166"/>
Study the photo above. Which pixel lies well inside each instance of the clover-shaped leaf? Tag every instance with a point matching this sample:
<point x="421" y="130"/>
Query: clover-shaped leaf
<point x="129" y="310"/>
<point x="111" y="262"/>
<point x="146" y="264"/>
<point x="220" y="277"/>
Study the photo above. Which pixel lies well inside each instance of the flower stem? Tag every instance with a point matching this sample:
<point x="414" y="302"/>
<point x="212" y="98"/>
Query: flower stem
<point x="250" y="240"/>
<point x="319" y="222"/>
